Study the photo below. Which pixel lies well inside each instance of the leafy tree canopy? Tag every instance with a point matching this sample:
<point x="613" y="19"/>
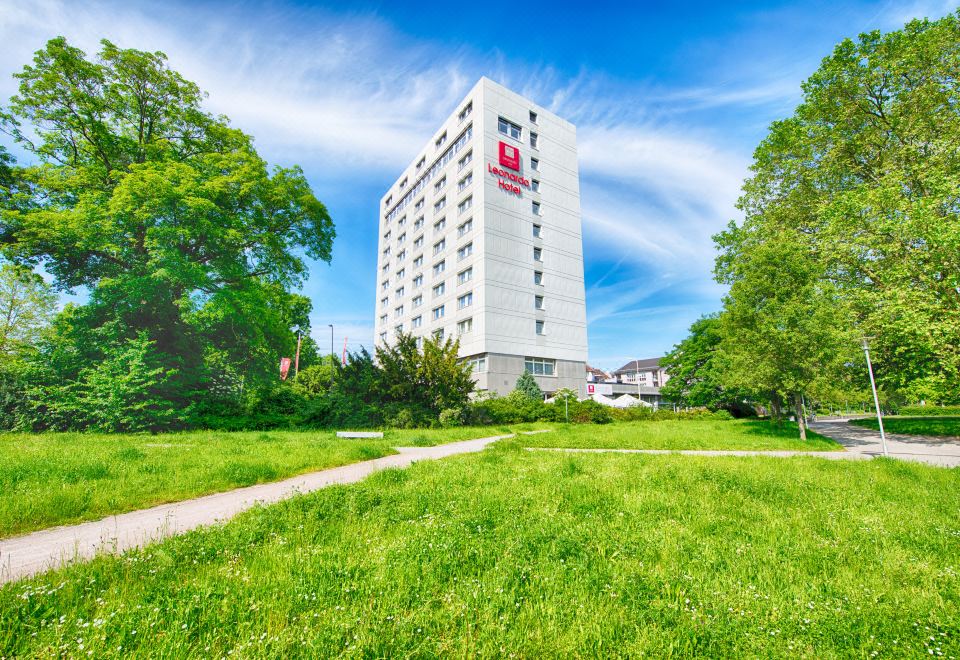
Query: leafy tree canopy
<point x="863" y="184"/>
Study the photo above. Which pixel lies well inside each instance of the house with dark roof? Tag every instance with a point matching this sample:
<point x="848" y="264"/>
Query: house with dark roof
<point x="648" y="373"/>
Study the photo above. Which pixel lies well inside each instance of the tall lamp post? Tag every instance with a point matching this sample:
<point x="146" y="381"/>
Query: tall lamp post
<point x="331" y="354"/>
<point x="865" y="343"/>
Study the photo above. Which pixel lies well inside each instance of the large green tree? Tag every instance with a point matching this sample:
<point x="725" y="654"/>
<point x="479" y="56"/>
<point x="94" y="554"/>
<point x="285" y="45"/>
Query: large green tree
<point x="695" y="366"/>
<point x="27" y="304"/>
<point x="185" y="239"/>
<point x="863" y="182"/>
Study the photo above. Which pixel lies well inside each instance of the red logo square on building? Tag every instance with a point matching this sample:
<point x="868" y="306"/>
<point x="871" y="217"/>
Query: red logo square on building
<point x="509" y="156"/>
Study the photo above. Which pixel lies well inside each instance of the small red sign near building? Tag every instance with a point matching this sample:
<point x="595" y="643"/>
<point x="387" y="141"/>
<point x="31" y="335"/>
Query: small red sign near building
<point x="509" y="156"/>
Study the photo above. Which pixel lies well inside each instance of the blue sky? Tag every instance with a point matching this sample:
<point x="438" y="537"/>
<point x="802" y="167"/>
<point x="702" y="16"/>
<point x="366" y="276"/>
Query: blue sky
<point x="670" y="100"/>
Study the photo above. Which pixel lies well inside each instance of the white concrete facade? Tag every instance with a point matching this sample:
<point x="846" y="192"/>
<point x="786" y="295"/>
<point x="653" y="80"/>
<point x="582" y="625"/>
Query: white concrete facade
<point x="480" y="239"/>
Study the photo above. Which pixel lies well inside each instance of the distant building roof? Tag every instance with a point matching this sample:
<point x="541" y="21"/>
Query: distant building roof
<point x="599" y="374"/>
<point x="639" y="365"/>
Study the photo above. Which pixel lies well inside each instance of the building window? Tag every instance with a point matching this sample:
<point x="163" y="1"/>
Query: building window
<point x="386" y="268"/>
<point x="535" y="207"/>
<point x="463" y="162"/>
<point x="423" y="159"/>
<point x="539" y="366"/>
<point x="465" y="112"/>
<point x="464" y="228"/>
<point x="398" y="311"/>
<point x="439" y="267"/>
<point x="438" y="313"/>
<point x="383" y="319"/>
<point x="419" y="260"/>
<point x="402" y="237"/>
<point x="478" y="365"/>
<point x="386" y="235"/>
<point x="418" y="281"/>
<point x="418" y="243"/>
<point x="439" y="289"/>
<point x="534" y="140"/>
<point x="386" y="251"/>
<point x="384" y="301"/>
<point x="441" y="140"/>
<point x="538" y="231"/>
<point x="537" y="277"/>
<point x="465" y="300"/>
<point x="439" y="184"/>
<point x="398" y="328"/>
<point x="465" y="204"/>
<point x="384" y="285"/>
<point x="538" y="254"/>
<point x="418" y="205"/>
<point x="540" y="327"/>
<point x="383" y="337"/>
<point x="418" y="223"/>
<point x="439" y="246"/>
<point x="401" y="273"/>
<point x="538" y="302"/>
<point x="465" y="251"/>
<point x="403" y="184"/>
<point x="417" y="301"/>
<point x="401" y="255"/>
<point x="416" y="322"/>
<point x="533" y="117"/>
<point x="464" y="182"/>
<point x="439" y="225"/>
<point x="535" y="164"/>
<point x="508" y="128"/>
<point x="535" y="185"/>
<point x="438" y="334"/>
<point x="465" y="326"/>
<point x="400" y="292"/>
<point x="440" y="204"/>
<point x="402" y="221"/>
<point x="465" y="275"/>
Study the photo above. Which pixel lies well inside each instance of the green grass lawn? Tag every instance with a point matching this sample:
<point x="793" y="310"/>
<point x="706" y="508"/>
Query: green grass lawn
<point x="58" y="478"/>
<point x="935" y="426"/>
<point x="510" y="552"/>
<point x="685" y="434"/>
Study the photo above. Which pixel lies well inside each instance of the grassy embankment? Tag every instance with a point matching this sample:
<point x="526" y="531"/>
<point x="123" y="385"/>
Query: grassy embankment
<point x="933" y="426"/>
<point x="749" y="434"/>
<point x="528" y="553"/>
<point x="59" y="478"/>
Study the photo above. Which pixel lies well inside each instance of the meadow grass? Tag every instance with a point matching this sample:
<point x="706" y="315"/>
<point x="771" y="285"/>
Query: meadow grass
<point x="58" y="478"/>
<point x="747" y="434"/>
<point x="933" y="426"/>
<point x="510" y="552"/>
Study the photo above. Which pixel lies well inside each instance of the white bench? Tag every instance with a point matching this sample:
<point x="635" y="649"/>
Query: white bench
<point x="359" y="434"/>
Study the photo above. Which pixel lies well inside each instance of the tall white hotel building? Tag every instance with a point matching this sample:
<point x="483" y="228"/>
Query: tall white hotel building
<point x="480" y="239"/>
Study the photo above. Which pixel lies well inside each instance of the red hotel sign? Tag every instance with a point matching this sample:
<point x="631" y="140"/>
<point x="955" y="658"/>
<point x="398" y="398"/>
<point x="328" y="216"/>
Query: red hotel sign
<point x="509" y="157"/>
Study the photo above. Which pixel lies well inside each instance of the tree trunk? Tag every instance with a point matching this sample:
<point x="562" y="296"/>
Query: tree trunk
<point x="776" y="409"/>
<point x="798" y="404"/>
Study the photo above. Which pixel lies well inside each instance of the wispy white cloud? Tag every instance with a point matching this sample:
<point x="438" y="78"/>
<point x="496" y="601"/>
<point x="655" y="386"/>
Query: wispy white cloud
<point x="346" y="95"/>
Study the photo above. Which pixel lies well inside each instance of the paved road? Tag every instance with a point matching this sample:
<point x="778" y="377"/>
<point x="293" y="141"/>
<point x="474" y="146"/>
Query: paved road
<point x="34" y="553"/>
<point x="944" y="452"/>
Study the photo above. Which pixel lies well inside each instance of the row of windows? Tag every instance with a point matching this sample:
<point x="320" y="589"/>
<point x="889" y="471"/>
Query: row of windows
<point x="464" y="327"/>
<point x="536" y="366"/>
<point x="435" y="169"/>
<point x="463" y="277"/>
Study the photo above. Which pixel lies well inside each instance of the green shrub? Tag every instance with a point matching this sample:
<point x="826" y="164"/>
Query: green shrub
<point x="929" y="411"/>
<point x="451" y="417"/>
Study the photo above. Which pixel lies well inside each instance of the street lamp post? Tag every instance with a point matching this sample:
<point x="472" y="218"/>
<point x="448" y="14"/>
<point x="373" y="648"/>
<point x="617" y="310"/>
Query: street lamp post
<point x="865" y="343"/>
<point x="331" y="354"/>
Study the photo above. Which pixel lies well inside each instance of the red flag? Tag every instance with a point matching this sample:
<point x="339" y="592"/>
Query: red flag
<point x="343" y="360"/>
<point x="284" y="368"/>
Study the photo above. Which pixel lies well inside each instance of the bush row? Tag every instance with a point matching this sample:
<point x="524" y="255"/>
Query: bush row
<point x="929" y="411"/>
